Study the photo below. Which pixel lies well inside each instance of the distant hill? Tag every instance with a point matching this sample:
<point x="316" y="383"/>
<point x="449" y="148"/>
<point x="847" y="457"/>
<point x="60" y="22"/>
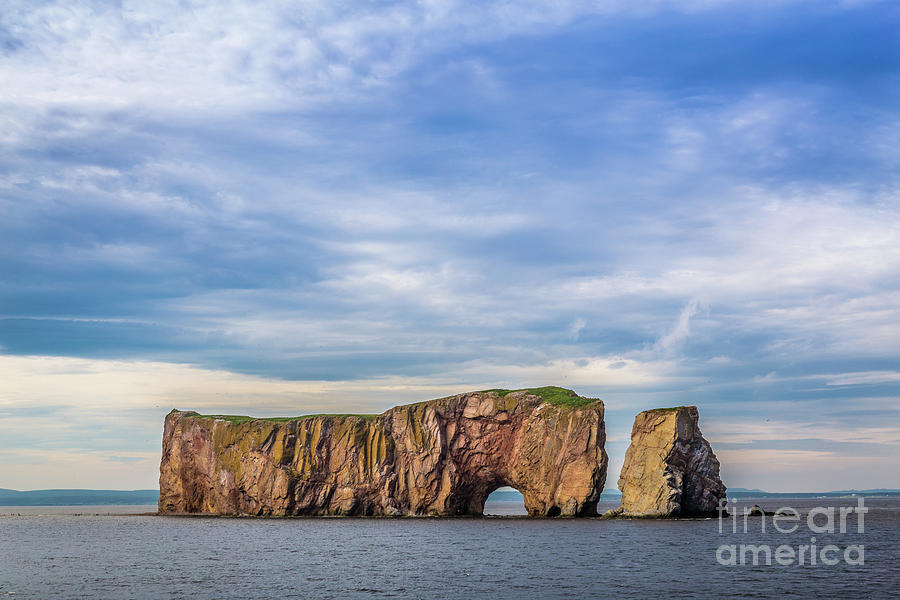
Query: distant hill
<point x="77" y="497"/>
<point x="510" y="495"/>
<point x="757" y="493"/>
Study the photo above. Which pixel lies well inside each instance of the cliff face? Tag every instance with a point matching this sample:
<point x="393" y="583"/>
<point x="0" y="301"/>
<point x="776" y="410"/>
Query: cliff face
<point x="670" y="469"/>
<point x="441" y="457"/>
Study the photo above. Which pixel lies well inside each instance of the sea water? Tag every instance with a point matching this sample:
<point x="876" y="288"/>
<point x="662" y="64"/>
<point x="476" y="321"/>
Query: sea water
<point x="111" y="552"/>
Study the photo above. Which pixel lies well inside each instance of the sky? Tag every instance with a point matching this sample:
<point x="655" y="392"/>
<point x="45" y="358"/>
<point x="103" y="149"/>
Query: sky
<point x="285" y="208"/>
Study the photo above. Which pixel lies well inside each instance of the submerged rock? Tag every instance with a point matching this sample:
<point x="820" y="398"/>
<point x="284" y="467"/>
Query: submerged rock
<point x="670" y="470"/>
<point x="441" y="457"/>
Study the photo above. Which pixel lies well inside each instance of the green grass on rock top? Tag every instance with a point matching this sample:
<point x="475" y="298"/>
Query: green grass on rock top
<point x="238" y="419"/>
<point x="554" y="395"/>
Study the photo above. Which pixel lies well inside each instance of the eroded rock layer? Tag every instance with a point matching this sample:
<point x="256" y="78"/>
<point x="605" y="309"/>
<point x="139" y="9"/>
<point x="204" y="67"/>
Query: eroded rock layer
<point x="670" y="470"/>
<point x="441" y="457"/>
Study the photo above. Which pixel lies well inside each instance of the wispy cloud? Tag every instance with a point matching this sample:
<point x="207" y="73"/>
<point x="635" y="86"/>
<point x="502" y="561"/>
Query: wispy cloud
<point x="680" y="332"/>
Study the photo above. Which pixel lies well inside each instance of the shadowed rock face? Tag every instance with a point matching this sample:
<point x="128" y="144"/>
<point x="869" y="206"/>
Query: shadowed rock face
<point x="442" y="457"/>
<point x="669" y="469"/>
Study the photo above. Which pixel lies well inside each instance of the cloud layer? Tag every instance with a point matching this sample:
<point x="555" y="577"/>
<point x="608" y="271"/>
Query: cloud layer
<point x="682" y="203"/>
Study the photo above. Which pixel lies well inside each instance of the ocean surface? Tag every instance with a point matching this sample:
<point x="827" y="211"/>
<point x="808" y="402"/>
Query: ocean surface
<point x="112" y="552"/>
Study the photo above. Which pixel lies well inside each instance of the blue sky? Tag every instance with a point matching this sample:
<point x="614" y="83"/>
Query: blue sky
<point x="307" y="207"/>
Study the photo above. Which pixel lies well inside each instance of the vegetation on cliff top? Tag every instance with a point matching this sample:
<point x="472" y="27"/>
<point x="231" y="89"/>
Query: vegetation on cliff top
<point x="665" y="410"/>
<point x="238" y="419"/>
<point x="554" y="395"/>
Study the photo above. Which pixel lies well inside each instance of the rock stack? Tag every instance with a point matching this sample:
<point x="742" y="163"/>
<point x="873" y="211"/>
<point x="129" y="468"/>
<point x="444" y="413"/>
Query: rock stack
<point x="670" y="470"/>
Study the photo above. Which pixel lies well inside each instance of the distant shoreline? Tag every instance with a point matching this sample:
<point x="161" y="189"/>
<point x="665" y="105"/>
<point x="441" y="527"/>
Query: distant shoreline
<point x="871" y="493"/>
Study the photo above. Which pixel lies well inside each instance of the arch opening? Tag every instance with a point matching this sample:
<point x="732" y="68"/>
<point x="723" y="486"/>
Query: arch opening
<point x="505" y="501"/>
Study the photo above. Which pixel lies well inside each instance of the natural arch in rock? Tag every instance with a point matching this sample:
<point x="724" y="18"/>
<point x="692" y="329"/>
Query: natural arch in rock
<point x="441" y="457"/>
<point x="505" y="501"/>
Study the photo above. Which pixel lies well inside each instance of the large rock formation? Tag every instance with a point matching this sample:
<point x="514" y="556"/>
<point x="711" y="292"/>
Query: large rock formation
<point x="441" y="457"/>
<point x="669" y="469"/>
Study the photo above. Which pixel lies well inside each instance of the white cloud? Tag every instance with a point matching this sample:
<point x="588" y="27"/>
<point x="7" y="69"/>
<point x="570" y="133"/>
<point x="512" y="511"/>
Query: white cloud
<point x="805" y="263"/>
<point x="681" y="330"/>
<point x="576" y="327"/>
<point x="865" y="377"/>
<point x="802" y="471"/>
<point x="30" y="469"/>
<point x="221" y="56"/>
<point x="829" y="425"/>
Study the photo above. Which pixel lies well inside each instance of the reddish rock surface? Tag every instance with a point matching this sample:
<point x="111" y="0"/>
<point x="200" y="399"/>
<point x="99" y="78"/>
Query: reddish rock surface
<point x="441" y="457"/>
